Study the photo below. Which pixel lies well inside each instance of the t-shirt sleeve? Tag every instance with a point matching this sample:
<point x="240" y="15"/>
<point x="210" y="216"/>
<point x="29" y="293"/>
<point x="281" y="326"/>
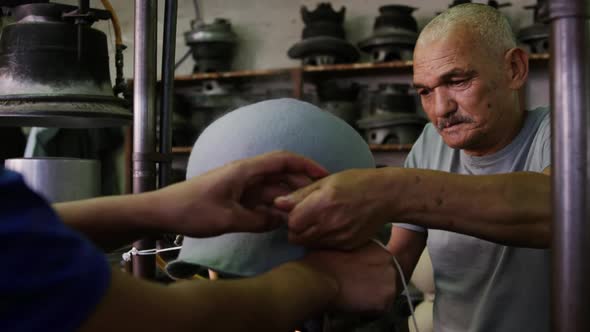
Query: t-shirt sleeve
<point x="52" y="278"/>
<point x="413" y="161"/>
<point x="543" y="142"/>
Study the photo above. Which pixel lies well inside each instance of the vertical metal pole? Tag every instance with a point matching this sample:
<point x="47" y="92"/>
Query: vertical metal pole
<point x="144" y="111"/>
<point x="197" y="10"/>
<point x="167" y="95"/>
<point x="83" y="7"/>
<point x="570" y="101"/>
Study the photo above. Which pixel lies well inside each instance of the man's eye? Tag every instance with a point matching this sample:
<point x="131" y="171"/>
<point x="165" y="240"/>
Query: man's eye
<point x="458" y="83"/>
<point x="423" y="92"/>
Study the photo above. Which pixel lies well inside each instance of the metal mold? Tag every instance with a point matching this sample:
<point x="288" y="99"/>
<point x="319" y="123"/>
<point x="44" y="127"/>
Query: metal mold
<point x="46" y="77"/>
<point x="393" y="119"/>
<point x="395" y="32"/>
<point x="212" y="45"/>
<point x="392" y="128"/>
<point x="339" y="100"/>
<point x="536" y="36"/>
<point x="323" y="38"/>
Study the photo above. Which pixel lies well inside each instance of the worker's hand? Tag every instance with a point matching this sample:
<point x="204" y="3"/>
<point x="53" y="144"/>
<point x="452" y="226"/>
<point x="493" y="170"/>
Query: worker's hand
<point x="366" y="277"/>
<point x="237" y="197"/>
<point x="341" y="211"/>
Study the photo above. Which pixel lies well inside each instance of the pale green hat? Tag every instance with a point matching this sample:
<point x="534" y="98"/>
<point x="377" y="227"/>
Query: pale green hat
<point x="280" y="124"/>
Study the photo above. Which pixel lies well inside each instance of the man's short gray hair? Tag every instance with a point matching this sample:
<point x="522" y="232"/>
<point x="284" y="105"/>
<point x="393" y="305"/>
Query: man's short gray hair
<point x="487" y="24"/>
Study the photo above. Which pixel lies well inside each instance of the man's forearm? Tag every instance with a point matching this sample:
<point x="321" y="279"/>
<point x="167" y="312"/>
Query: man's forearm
<point x="113" y="221"/>
<point x="512" y="209"/>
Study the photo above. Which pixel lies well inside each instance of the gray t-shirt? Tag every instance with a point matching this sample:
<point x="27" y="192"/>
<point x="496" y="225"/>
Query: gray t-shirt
<point x="480" y="285"/>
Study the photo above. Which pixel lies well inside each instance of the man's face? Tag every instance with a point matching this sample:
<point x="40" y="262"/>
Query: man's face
<point x="462" y="91"/>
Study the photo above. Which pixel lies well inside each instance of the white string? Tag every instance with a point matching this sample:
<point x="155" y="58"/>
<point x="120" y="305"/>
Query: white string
<point x="401" y="273"/>
<point x="133" y="252"/>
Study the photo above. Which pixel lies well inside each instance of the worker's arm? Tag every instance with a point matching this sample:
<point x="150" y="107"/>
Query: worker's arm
<point x="236" y="197"/>
<point x="346" y="209"/>
<point x="275" y="301"/>
<point x="512" y="209"/>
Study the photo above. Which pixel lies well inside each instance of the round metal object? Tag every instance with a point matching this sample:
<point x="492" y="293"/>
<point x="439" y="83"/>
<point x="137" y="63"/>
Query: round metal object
<point x="394" y="98"/>
<point x="345" y="110"/>
<point x="392" y="128"/>
<point x="394" y="34"/>
<point x="212" y="45"/>
<point x="536" y="37"/>
<point x="59" y="179"/>
<point x="324" y="39"/>
<point x="46" y="80"/>
<point x="340" y="50"/>
<point x="396" y="16"/>
<point x="389" y="44"/>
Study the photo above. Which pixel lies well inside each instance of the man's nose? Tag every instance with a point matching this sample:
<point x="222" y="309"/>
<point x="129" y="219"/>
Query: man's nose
<point x="444" y="103"/>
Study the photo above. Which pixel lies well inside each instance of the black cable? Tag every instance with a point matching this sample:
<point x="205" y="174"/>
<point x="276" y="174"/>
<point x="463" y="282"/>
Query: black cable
<point x="184" y="57"/>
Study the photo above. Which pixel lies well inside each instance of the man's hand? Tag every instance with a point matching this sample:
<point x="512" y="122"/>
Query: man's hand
<point x="341" y="211"/>
<point x="366" y="277"/>
<point x="237" y="197"/>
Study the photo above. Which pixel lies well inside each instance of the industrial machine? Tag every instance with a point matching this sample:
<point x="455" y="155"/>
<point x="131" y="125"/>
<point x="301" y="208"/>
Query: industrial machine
<point x="54" y="68"/>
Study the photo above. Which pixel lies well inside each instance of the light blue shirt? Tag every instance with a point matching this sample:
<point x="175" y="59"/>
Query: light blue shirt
<point x="480" y="285"/>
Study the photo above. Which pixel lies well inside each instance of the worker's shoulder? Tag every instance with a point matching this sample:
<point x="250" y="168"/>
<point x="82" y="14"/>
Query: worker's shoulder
<point x="539" y="123"/>
<point x="540" y="115"/>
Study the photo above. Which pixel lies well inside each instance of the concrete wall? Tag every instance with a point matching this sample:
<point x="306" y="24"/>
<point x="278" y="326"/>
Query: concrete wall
<point x="267" y="28"/>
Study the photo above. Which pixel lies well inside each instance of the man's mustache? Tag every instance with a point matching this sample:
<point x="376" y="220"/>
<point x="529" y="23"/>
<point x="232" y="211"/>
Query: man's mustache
<point x="453" y="120"/>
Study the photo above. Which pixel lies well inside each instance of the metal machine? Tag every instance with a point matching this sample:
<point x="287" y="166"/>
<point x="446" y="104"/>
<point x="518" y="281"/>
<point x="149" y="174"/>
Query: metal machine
<point x="323" y="38"/>
<point x="54" y="69"/>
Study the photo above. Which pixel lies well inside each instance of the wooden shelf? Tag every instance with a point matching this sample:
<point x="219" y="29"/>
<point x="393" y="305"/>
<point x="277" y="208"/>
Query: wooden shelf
<point x="262" y="73"/>
<point x="364" y="66"/>
<point x="391" y="147"/>
<point x="374" y="147"/>
<point x="539" y="56"/>
<point x="182" y="149"/>
<point x="235" y="74"/>
<point x="348" y="68"/>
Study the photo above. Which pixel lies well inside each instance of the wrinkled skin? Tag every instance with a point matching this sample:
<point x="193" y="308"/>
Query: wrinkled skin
<point x="469" y="92"/>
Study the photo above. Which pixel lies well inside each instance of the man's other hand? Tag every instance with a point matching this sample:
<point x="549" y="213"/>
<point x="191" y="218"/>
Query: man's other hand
<point x="366" y="277"/>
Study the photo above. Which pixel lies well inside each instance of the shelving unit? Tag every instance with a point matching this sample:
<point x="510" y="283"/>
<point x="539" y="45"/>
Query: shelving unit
<point x="180" y="150"/>
<point x="351" y="69"/>
<point x="297" y="77"/>
<point x="384" y="154"/>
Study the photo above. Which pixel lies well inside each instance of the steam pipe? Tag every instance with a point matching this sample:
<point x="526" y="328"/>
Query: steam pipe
<point x="144" y="118"/>
<point x="167" y="95"/>
<point x="570" y="80"/>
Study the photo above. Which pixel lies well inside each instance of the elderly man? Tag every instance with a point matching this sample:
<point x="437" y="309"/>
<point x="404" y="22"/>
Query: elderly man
<point x="475" y="190"/>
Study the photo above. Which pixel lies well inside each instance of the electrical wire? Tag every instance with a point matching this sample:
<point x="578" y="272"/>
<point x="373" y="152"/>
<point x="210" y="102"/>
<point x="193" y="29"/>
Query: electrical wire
<point x="127" y="257"/>
<point x="184" y="57"/>
<point x="404" y="283"/>
<point x="115" y="20"/>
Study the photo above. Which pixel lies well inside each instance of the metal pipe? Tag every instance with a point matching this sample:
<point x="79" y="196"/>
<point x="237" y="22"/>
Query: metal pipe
<point x="197" y="11"/>
<point x="167" y="95"/>
<point x="570" y="78"/>
<point x="83" y="8"/>
<point x="144" y="118"/>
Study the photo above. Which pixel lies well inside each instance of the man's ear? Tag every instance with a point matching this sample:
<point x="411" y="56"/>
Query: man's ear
<point x="517" y="67"/>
